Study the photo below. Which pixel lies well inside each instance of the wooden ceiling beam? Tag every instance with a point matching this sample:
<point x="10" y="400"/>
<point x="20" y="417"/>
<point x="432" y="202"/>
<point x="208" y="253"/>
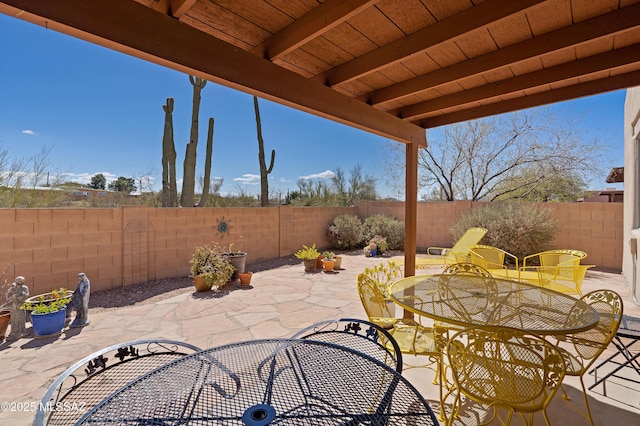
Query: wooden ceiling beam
<point x="319" y="20"/>
<point x="570" y="70"/>
<point x="588" y="88"/>
<point x="613" y="22"/>
<point x="174" y="8"/>
<point x="137" y="30"/>
<point x="468" y="20"/>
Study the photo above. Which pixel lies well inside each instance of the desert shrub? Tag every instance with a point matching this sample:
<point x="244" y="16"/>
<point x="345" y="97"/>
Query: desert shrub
<point x="346" y="232"/>
<point x="385" y="226"/>
<point x="517" y="227"/>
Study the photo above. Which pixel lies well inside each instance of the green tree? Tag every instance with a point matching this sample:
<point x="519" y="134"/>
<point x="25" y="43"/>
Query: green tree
<point x="123" y="184"/>
<point x="563" y="188"/>
<point x="359" y="186"/>
<point x="98" y="181"/>
<point x="339" y="190"/>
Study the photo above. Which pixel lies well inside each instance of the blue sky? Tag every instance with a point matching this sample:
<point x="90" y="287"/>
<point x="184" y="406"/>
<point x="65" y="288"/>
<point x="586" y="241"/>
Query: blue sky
<point x="100" y="111"/>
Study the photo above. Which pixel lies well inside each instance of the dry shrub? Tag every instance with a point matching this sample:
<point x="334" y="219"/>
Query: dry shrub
<point x="385" y="226"/>
<point x="346" y="232"/>
<point x="521" y="228"/>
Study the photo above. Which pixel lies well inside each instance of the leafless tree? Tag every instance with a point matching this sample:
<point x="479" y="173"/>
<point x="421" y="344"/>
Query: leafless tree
<point x="504" y="157"/>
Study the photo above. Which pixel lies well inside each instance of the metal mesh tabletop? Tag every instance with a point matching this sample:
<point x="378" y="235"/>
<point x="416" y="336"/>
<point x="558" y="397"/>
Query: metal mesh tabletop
<point x="469" y="300"/>
<point x="274" y="381"/>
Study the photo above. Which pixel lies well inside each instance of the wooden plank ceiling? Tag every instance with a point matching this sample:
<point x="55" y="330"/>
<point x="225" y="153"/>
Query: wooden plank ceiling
<point x="392" y="67"/>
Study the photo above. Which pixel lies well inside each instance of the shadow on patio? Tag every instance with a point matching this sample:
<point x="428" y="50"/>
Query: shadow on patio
<point x="280" y="301"/>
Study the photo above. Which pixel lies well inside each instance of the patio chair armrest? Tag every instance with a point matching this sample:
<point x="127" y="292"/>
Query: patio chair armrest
<point x="528" y="259"/>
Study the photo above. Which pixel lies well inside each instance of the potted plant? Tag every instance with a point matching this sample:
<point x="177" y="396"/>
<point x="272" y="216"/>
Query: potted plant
<point x="49" y="297"/>
<point x="309" y="256"/>
<point x="5" y="310"/>
<point x="245" y="277"/>
<point x="338" y="262"/>
<point x="377" y="246"/>
<point x="209" y="268"/>
<point x="328" y="261"/>
<point x="48" y="314"/>
<point x="5" y="318"/>
<point x="238" y="260"/>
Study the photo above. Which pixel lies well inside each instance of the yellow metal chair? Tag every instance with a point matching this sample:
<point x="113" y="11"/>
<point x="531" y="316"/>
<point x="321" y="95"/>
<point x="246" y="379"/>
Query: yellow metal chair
<point x="580" y="350"/>
<point x="493" y="260"/>
<point x="411" y="336"/>
<point x="462" y="298"/>
<point x="504" y="370"/>
<point x="438" y="256"/>
<point x="558" y="270"/>
<point x="385" y="274"/>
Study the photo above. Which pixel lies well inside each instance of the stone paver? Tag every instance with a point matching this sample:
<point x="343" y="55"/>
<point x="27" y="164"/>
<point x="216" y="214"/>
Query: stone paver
<point x="279" y="302"/>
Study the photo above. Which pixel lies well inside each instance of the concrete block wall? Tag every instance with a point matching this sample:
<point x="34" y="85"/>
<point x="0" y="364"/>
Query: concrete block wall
<point x="49" y="247"/>
<point x="595" y="228"/>
<point x="128" y="245"/>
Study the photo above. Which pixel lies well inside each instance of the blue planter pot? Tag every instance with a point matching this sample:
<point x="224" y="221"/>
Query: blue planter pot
<point x="49" y="323"/>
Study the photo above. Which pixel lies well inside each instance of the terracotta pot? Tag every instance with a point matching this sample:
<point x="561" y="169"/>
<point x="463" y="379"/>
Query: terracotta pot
<point x="338" y="262"/>
<point x="199" y="284"/>
<point x="328" y="265"/>
<point x="245" y="278"/>
<point x="310" y="265"/>
<point x="5" y="318"/>
<point x="319" y="262"/>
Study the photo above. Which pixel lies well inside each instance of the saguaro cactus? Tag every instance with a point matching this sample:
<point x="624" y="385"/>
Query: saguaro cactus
<point x="207" y="166"/>
<point x="189" y="176"/>
<point x="264" y="170"/>
<point x="169" y="189"/>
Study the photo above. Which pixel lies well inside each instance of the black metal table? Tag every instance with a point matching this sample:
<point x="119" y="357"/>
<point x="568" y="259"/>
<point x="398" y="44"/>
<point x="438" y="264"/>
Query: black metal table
<point x="272" y="381"/>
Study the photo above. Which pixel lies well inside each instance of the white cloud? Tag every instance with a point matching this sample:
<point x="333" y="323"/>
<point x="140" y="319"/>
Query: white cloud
<point x="248" y="179"/>
<point x="28" y="132"/>
<point x="85" y="178"/>
<point x="327" y="174"/>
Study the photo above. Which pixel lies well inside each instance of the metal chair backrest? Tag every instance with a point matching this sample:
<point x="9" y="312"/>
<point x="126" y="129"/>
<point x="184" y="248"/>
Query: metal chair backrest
<point x="374" y="302"/>
<point x="561" y="257"/>
<point x="490" y="257"/>
<point x="361" y="335"/>
<point x="470" y="237"/>
<point x="467" y="297"/>
<point x="559" y="270"/>
<point x="589" y="344"/>
<point x="93" y="378"/>
<point x="384" y="274"/>
<point x="580" y="350"/>
<point x="502" y="368"/>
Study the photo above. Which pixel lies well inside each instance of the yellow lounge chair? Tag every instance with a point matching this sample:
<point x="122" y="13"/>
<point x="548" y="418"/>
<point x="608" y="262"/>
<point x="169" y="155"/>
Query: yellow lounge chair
<point x="459" y="253"/>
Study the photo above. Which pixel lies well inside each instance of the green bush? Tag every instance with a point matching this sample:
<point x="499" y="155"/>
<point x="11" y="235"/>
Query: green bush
<point x="520" y="228"/>
<point x="385" y="226"/>
<point x="346" y="232"/>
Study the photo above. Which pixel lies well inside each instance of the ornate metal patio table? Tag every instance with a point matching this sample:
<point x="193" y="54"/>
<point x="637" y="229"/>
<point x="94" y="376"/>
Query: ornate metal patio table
<point x="261" y="382"/>
<point x="470" y="300"/>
